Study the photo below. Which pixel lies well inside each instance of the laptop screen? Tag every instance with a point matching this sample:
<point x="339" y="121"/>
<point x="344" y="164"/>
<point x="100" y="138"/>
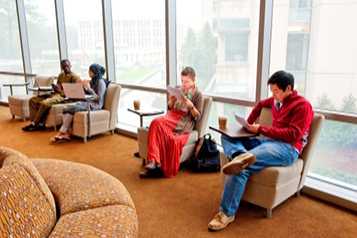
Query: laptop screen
<point x="73" y="90"/>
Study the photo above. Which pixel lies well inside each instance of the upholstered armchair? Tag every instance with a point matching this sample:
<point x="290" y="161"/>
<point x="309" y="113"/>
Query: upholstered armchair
<point x="188" y="149"/>
<point x="99" y="121"/>
<point x="272" y="186"/>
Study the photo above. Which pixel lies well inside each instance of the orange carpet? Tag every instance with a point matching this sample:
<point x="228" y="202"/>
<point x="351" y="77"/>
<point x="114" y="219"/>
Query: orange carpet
<point x="181" y="206"/>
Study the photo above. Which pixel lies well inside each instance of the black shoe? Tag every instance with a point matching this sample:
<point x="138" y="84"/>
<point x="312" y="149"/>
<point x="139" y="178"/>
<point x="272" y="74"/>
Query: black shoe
<point x="30" y="127"/>
<point x="33" y="127"/>
<point x="41" y="127"/>
<point x="151" y="173"/>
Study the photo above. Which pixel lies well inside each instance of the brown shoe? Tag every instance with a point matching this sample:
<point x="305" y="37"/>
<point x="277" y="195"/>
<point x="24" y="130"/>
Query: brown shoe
<point x="220" y="221"/>
<point x="239" y="163"/>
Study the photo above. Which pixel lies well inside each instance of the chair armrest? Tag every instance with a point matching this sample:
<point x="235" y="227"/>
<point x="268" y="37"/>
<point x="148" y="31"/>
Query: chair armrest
<point x="94" y="115"/>
<point x="15" y="84"/>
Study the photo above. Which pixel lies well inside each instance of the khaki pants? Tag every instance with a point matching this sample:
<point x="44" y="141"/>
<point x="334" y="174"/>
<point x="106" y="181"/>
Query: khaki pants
<point x="41" y="105"/>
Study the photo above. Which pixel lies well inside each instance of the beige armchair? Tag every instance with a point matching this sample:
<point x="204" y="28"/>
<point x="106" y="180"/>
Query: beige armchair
<point x="188" y="149"/>
<point x="19" y="104"/>
<point x="274" y="185"/>
<point x="100" y="121"/>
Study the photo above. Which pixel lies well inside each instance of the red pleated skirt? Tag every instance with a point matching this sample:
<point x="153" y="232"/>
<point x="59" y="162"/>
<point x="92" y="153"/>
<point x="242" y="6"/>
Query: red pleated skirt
<point x="164" y="145"/>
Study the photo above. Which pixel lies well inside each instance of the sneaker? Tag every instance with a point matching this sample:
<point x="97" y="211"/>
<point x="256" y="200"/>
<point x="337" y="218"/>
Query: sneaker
<point x="220" y="221"/>
<point x="239" y="163"/>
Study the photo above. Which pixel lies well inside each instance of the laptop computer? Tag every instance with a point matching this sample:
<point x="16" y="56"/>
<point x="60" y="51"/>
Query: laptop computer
<point x="73" y="90"/>
<point x="233" y="131"/>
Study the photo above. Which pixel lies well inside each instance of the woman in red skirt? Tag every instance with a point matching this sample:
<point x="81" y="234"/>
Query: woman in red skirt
<point x="169" y="133"/>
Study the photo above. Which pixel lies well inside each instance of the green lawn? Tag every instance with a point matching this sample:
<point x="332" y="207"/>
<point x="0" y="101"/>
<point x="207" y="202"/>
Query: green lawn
<point x="135" y="75"/>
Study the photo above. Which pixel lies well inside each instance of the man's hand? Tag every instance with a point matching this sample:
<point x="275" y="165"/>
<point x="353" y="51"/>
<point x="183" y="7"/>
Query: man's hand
<point x="253" y="128"/>
<point x="56" y="88"/>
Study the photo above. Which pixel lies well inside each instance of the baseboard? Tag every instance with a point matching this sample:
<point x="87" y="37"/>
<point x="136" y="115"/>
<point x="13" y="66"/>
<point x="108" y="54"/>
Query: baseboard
<point x="330" y="193"/>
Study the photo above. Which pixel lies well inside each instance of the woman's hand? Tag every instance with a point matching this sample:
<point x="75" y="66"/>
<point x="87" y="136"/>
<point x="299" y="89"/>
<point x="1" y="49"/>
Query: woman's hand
<point x="172" y="98"/>
<point x="191" y="107"/>
<point x="188" y="103"/>
<point x="171" y="102"/>
<point x="85" y="84"/>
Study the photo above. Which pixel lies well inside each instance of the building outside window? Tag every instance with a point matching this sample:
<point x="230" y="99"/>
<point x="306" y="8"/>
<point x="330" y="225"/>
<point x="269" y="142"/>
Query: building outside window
<point x="314" y="41"/>
<point x="42" y="33"/>
<point x="84" y="31"/>
<point x="10" y="48"/>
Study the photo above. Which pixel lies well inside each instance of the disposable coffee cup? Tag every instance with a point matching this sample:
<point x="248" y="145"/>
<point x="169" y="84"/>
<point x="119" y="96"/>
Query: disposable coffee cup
<point x="136" y="104"/>
<point x="222" y="122"/>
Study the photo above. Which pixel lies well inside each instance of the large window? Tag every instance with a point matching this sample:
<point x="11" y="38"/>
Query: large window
<point x="228" y="111"/>
<point x="6" y="91"/>
<point x="335" y="158"/>
<point x="85" y="39"/>
<point x="220" y="40"/>
<point x="315" y="42"/>
<point x="139" y="42"/>
<point x="148" y="101"/>
<point x="42" y="33"/>
<point x="139" y="48"/>
<point x="10" y="49"/>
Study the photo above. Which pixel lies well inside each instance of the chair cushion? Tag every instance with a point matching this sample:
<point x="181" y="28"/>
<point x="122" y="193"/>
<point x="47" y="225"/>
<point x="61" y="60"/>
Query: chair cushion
<point x="25" y="210"/>
<point x="20" y="100"/>
<point x="273" y="176"/>
<point x="109" y="221"/>
<point x="10" y="157"/>
<point x="41" y="81"/>
<point x="201" y="125"/>
<point x="88" y="188"/>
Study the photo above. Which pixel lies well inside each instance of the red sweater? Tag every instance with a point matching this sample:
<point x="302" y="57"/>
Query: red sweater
<point x="290" y="124"/>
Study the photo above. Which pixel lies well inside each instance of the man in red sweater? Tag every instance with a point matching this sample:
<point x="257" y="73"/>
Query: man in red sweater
<point x="277" y="145"/>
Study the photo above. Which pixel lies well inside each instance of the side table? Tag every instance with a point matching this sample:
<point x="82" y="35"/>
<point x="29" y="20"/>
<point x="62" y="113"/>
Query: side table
<point x="142" y="113"/>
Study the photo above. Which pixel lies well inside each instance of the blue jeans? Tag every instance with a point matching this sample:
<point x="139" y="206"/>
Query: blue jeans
<point x="268" y="152"/>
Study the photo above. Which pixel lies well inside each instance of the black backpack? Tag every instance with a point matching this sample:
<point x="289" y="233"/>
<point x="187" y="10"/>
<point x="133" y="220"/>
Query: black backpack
<point x="206" y="157"/>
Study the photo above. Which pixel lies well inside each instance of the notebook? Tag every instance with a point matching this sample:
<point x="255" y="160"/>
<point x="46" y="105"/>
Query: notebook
<point x="175" y="91"/>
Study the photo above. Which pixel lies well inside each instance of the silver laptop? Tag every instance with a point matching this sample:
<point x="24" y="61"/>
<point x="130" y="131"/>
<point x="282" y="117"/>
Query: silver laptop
<point x="73" y="90"/>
